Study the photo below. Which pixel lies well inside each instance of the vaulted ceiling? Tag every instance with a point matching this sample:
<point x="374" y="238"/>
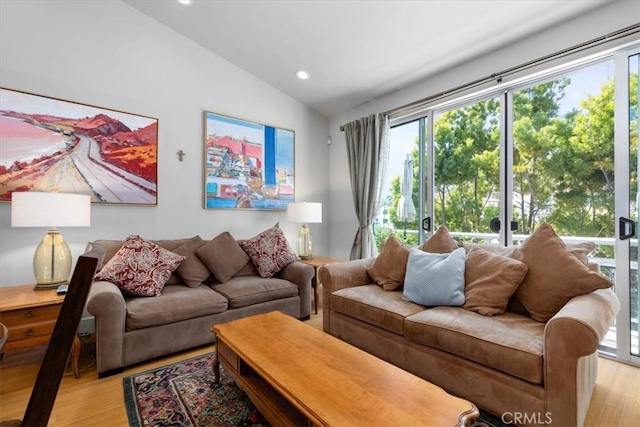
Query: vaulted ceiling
<point x="356" y="51"/>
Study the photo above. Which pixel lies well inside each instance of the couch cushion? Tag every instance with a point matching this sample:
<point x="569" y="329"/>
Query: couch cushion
<point x="249" y="290"/>
<point x="140" y="267"/>
<point x="434" y="279"/>
<point x="223" y="256"/>
<point x="490" y="280"/>
<point x="192" y="271"/>
<point x="555" y="276"/>
<point x="510" y="343"/>
<point x="389" y="267"/>
<point x="175" y="303"/>
<point x="372" y="304"/>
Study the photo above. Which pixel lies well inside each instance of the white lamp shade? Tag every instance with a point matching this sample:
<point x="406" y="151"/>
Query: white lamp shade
<point x="37" y="209"/>
<point x="305" y="212"/>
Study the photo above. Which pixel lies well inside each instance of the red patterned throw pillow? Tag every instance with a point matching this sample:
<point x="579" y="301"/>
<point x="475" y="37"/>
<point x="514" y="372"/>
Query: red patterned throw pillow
<point x="269" y="251"/>
<point x="140" y="267"/>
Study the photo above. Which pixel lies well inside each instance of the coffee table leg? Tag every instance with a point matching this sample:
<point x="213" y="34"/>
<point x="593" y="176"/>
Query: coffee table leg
<point x="216" y="366"/>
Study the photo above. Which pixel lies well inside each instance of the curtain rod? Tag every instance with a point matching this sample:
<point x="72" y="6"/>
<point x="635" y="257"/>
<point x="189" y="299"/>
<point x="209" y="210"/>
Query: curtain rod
<point x="498" y="76"/>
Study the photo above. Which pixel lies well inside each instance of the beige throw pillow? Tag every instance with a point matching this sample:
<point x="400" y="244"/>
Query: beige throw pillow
<point x="440" y="242"/>
<point x="555" y="275"/>
<point x="389" y="267"/>
<point x="490" y="280"/>
<point x="581" y="250"/>
<point x="223" y="256"/>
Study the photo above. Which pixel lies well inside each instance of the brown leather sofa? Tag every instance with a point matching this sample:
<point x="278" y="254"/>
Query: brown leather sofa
<point x="131" y="329"/>
<point x="522" y="370"/>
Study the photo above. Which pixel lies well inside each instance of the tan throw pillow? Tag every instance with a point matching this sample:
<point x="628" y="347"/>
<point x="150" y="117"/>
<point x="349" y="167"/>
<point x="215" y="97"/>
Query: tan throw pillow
<point x="494" y="249"/>
<point x="582" y="250"/>
<point x="390" y="265"/>
<point x="555" y="276"/>
<point x="440" y="242"/>
<point x="490" y="280"/>
<point x="192" y="271"/>
<point x="223" y="256"/>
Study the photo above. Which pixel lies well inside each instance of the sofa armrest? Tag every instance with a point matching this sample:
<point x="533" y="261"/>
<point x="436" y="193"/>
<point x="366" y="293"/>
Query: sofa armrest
<point x="334" y="277"/>
<point x="580" y="326"/>
<point x="108" y="306"/>
<point x="571" y="339"/>
<point x="301" y="275"/>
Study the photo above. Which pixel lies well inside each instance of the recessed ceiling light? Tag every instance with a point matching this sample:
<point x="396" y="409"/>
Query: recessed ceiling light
<point x="302" y="75"/>
<point x="185" y="2"/>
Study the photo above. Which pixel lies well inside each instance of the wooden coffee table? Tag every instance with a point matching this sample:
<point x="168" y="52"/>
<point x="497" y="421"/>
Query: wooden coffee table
<point x="297" y="375"/>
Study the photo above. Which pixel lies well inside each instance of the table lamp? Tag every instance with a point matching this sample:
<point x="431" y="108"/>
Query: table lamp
<point x="52" y="259"/>
<point x="306" y="213"/>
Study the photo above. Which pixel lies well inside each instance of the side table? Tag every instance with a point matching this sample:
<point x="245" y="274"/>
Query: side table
<point x="30" y="316"/>
<point x="316" y="262"/>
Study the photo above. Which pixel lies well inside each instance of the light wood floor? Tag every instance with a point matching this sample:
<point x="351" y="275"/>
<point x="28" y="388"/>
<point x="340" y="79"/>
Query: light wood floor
<point x="90" y="401"/>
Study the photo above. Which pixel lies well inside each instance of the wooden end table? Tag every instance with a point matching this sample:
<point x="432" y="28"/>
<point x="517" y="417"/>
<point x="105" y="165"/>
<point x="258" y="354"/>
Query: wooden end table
<point x="317" y="262"/>
<point x="30" y="316"/>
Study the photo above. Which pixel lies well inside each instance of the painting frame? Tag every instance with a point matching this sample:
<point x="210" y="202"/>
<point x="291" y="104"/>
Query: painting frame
<point x="50" y="144"/>
<point x="247" y="165"/>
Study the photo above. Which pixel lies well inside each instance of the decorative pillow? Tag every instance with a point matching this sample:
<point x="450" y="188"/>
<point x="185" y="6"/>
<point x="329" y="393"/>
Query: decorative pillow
<point x="435" y="279"/>
<point x="582" y="250"/>
<point x="494" y="249"/>
<point x="390" y="265"/>
<point x="555" y="276"/>
<point x="192" y="271"/>
<point x="490" y="280"/>
<point x="440" y="242"/>
<point x="270" y="251"/>
<point x="140" y="267"/>
<point x="223" y="256"/>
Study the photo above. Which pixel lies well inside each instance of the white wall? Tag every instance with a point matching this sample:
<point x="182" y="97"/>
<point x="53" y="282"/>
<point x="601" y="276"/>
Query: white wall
<point x="344" y="224"/>
<point x="108" y="54"/>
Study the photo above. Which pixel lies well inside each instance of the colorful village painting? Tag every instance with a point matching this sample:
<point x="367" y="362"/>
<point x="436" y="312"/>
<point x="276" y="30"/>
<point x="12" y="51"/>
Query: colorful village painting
<point x="52" y="145"/>
<point x="247" y="165"/>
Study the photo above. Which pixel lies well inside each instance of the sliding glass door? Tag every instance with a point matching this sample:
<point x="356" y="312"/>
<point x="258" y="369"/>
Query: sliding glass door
<point x="561" y="149"/>
<point x="634" y="128"/>
<point x="627" y="90"/>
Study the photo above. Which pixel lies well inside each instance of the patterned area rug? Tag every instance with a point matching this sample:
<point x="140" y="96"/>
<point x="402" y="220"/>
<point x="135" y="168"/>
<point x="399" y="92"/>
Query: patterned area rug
<point x="183" y="395"/>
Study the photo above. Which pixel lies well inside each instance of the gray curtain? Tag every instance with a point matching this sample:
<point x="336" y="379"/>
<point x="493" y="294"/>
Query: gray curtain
<point x="367" y="148"/>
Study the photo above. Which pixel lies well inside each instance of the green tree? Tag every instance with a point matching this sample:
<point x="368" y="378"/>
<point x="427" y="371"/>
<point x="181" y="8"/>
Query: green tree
<point x="537" y="132"/>
<point x="563" y="166"/>
<point x="466" y="165"/>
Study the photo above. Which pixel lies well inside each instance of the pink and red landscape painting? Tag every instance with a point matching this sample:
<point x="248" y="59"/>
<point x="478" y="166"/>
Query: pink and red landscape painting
<point x="52" y="145"/>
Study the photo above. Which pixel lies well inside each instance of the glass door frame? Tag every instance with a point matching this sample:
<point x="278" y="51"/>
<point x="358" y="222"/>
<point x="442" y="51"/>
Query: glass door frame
<point x="622" y="205"/>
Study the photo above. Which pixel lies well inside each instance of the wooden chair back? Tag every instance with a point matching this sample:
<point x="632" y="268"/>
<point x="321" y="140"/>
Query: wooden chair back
<point x="56" y="357"/>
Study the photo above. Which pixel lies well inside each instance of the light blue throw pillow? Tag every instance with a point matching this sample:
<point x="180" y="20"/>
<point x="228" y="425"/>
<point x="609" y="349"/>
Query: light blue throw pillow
<point x="435" y="279"/>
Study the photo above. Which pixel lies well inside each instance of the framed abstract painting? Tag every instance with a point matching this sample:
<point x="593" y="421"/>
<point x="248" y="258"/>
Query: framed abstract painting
<point x="52" y="145"/>
<point x="248" y="165"/>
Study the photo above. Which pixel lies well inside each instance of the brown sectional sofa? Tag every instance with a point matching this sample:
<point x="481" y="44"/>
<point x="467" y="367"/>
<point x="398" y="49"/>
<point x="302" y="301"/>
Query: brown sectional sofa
<point x="131" y="329"/>
<point x="529" y="372"/>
